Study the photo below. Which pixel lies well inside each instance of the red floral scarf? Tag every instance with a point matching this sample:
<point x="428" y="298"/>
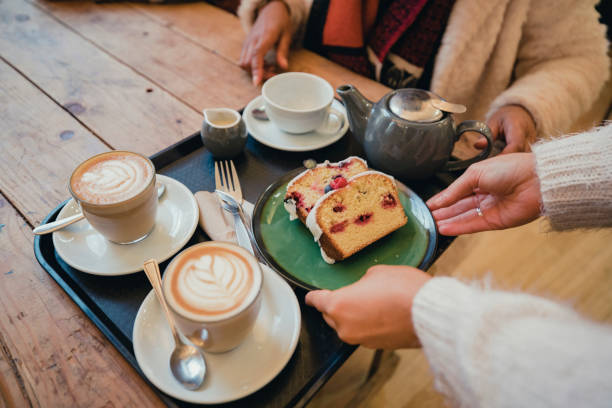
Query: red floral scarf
<point x="390" y="41"/>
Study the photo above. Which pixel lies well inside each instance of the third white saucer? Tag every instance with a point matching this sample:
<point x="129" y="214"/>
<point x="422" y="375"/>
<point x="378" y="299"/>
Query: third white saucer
<point x="265" y="132"/>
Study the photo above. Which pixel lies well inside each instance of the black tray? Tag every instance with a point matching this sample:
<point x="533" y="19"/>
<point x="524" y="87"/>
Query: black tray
<point x="112" y="302"/>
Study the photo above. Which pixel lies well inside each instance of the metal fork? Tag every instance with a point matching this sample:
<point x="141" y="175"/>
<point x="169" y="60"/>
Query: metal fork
<point x="226" y="179"/>
<point x="227" y="187"/>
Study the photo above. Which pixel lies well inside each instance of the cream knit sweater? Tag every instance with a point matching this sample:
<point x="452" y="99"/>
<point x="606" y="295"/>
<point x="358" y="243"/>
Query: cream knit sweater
<point x="488" y="348"/>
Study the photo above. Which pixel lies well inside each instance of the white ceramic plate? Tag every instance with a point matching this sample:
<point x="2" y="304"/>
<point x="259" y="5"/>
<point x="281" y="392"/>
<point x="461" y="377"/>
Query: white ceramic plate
<point x="83" y="248"/>
<point x="264" y="131"/>
<point x="236" y="373"/>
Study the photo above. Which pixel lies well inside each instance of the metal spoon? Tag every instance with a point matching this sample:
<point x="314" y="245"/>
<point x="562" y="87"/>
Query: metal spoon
<point x="445" y="106"/>
<point x="64" y="222"/>
<point x="260" y="113"/>
<point x="186" y="361"/>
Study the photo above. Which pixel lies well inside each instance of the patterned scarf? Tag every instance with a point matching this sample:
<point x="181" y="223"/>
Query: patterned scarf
<point x="391" y="41"/>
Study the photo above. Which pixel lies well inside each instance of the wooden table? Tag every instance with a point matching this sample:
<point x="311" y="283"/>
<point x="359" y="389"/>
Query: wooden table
<point x="79" y="78"/>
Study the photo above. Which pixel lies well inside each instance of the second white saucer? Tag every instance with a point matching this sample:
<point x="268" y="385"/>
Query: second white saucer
<point x="83" y="248"/>
<point x="265" y="132"/>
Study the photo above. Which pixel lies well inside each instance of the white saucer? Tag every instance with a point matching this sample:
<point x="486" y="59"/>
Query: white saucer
<point x="236" y="373"/>
<point x="264" y="131"/>
<point x="83" y="248"/>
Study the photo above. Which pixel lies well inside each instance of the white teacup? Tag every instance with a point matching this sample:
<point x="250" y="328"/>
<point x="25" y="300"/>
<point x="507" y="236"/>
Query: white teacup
<point x="213" y="289"/>
<point x="298" y="102"/>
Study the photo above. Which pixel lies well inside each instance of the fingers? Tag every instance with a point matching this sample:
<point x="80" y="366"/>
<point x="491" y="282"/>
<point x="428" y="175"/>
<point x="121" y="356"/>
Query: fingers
<point x="257" y="68"/>
<point x="480" y="143"/>
<point x="462" y="187"/>
<point x="461" y="206"/>
<point x="465" y="223"/>
<point x="330" y="322"/>
<point x="513" y="148"/>
<point x="319" y="299"/>
<point x="495" y="126"/>
<point x="243" y="62"/>
<point x="282" y="50"/>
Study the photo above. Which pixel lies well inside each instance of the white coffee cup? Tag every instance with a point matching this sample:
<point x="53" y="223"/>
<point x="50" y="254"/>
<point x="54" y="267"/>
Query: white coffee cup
<point x="213" y="290"/>
<point x="298" y="102"/>
<point x="117" y="194"/>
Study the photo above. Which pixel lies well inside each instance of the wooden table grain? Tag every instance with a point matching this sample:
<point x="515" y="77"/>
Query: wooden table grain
<point x="79" y="78"/>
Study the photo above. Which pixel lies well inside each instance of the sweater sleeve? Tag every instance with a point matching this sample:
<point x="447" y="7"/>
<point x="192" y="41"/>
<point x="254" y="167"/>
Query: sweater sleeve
<point x="561" y="66"/>
<point x="494" y="349"/>
<point x="575" y="175"/>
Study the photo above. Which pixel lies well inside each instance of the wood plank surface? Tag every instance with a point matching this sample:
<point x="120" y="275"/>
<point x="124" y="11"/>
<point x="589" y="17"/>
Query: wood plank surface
<point x="41" y="144"/>
<point x="184" y="68"/>
<point x="110" y="98"/>
<point x="78" y="78"/>
<point x="50" y="353"/>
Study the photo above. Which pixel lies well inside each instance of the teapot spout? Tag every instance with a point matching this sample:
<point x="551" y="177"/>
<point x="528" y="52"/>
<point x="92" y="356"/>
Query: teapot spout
<point x="358" y="110"/>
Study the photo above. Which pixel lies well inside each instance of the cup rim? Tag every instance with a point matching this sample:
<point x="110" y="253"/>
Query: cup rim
<point x="286" y="74"/>
<point x="119" y="203"/>
<point x="225" y="317"/>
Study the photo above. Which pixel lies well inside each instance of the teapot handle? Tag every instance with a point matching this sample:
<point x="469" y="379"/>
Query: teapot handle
<point x="471" y="126"/>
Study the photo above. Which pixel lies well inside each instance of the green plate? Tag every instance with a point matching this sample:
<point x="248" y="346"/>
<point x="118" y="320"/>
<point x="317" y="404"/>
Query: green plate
<point x="289" y="247"/>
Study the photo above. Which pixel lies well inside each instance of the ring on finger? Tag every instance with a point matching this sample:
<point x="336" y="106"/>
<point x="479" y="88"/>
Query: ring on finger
<point x="479" y="212"/>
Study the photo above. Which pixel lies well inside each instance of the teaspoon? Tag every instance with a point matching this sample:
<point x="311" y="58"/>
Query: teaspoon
<point x="445" y="106"/>
<point x="260" y="113"/>
<point x="186" y="361"/>
<point x="64" y="222"/>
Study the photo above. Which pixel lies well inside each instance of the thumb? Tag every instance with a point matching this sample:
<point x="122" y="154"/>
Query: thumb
<point x="319" y="299"/>
<point x="282" y="51"/>
<point x="494" y="125"/>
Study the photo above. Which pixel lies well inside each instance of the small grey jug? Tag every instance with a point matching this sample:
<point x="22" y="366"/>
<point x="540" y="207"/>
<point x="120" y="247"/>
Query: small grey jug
<point x="224" y="133"/>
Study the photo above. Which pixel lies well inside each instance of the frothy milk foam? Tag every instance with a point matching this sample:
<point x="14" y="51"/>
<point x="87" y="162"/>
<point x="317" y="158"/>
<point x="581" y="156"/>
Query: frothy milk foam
<point x="111" y="178"/>
<point x="210" y="282"/>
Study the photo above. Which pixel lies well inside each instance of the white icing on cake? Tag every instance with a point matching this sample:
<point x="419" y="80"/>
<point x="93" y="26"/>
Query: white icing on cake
<point x="291" y="208"/>
<point x="365" y="173"/>
<point x="327" y="258"/>
<point x="325" y="163"/>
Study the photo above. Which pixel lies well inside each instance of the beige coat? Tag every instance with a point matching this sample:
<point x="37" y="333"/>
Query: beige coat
<point x="549" y="56"/>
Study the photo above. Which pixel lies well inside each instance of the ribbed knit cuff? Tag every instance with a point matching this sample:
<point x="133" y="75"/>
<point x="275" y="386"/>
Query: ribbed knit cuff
<point x="575" y="175"/>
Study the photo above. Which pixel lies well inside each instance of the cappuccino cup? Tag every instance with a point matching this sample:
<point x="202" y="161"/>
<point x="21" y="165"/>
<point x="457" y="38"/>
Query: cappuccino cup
<point x="298" y="102"/>
<point x="213" y="290"/>
<point x="117" y="195"/>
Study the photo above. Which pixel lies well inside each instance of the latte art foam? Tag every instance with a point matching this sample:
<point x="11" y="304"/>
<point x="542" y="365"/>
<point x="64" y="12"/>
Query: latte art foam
<point x="211" y="281"/>
<point x="112" y="179"/>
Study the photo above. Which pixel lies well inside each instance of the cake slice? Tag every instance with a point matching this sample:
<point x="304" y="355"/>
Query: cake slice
<point x="349" y="218"/>
<point x="310" y="185"/>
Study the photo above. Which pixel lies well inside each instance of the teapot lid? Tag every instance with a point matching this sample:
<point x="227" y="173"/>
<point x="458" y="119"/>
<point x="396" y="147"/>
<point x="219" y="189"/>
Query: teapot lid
<point x="414" y="105"/>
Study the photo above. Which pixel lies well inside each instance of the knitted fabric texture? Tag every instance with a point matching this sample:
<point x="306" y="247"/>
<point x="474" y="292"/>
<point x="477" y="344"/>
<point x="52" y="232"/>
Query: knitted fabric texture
<point x="493" y="349"/>
<point x="575" y="175"/>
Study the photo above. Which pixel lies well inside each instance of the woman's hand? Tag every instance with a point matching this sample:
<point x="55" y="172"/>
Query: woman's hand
<point x="375" y="311"/>
<point x="272" y="28"/>
<point x="513" y="124"/>
<point x="505" y="188"/>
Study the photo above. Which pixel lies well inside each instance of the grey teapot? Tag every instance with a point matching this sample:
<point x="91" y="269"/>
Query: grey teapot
<point x="408" y="133"/>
